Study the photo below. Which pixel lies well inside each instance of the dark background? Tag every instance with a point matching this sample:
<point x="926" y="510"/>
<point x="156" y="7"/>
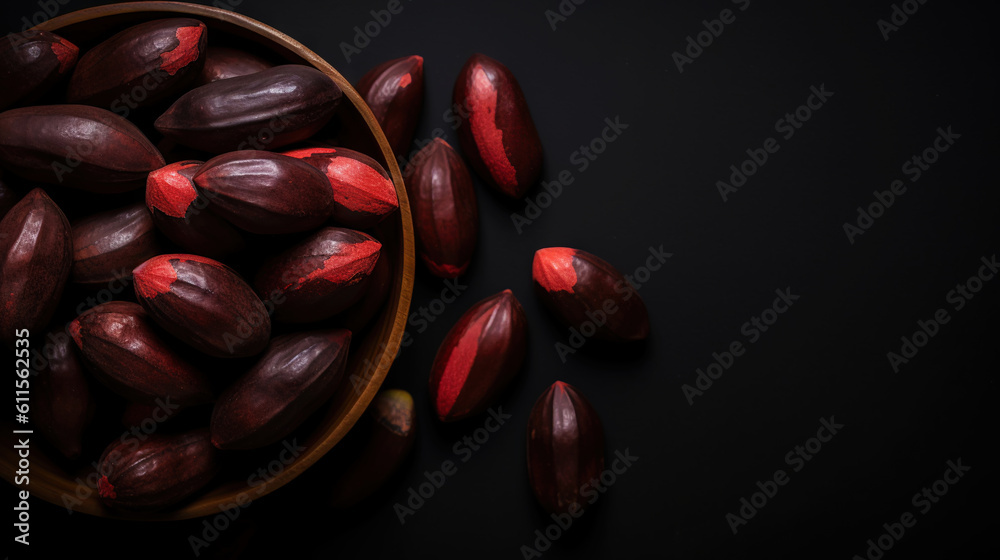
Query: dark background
<point x="653" y="186"/>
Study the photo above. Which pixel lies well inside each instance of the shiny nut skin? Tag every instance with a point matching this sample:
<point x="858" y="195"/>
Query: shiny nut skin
<point x="498" y="136"/>
<point x="565" y="449"/>
<point x="478" y="357"/>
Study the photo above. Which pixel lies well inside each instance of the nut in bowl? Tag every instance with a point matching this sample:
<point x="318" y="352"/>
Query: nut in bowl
<point x="128" y="116"/>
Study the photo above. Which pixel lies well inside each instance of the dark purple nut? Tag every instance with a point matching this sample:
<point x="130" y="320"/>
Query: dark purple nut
<point x="204" y="303"/>
<point x="107" y="246"/>
<point x="222" y="63"/>
<point x="61" y="403"/>
<point x="443" y="204"/>
<point x="360" y="315"/>
<point x="478" y="357"/>
<point x="156" y="472"/>
<point x="394" y="429"/>
<point x="394" y="90"/>
<point x="31" y="63"/>
<point x="141" y="65"/>
<point x="78" y="146"/>
<point x="264" y="110"/>
<point x="498" y="136"/>
<point x="294" y="377"/>
<point x="36" y="253"/>
<point x="181" y="212"/>
<point x="565" y="449"/>
<point x="581" y="288"/>
<point x="251" y="189"/>
<point x="362" y="189"/>
<point x="121" y="348"/>
<point x="319" y="277"/>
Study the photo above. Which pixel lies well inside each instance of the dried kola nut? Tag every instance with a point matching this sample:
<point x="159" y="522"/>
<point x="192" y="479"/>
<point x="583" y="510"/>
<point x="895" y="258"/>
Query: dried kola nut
<point x="36" y="253"/>
<point x="588" y="294"/>
<point x="294" y="377"/>
<point x="31" y="63"/>
<point x="443" y="205"/>
<point x="565" y="449"/>
<point x="393" y="433"/>
<point x="140" y="66"/>
<point x="319" y="277"/>
<point x="77" y="146"/>
<point x="157" y="471"/>
<point x="478" y="357"/>
<point x="498" y="135"/>
<point x="264" y="110"/>
<point x="394" y="90"/>
<point x="203" y="303"/>
<point x="121" y="348"/>
<point x="251" y="190"/>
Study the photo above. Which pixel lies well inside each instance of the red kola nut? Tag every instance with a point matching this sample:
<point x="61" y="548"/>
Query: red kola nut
<point x="31" y="63"/>
<point x="589" y="294"/>
<point x="122" y="349"/>
<point x="222" y="63"/>
<point x="181" y="212"/>
<point x="362" y="188"/>
<point x="77" y="146"/>
<point x="379" y="283"/>
<point x="107" y="246"/>
<point x="497" y="135"/>
<point x="294" y="377"/>
<point x="250" y="189"/>
<point x="203" y="303"/>
<point x="394" y="90"/>
<point x="565" y="449"/>
<point x="157" y="471"/>
<point x="319" y="277"/>
<point x="36" y="253"/>
<point x="140" y="66"/>
<point x="478" y="357"/>
<point x="443" y="205"/>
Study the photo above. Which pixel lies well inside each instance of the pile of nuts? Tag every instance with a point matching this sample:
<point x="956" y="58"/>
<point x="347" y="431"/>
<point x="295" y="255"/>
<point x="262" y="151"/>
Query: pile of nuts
<point x="265" y="260"/>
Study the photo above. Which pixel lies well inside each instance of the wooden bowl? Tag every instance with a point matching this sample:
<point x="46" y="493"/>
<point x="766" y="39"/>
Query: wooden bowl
<point x="370" y="355"/>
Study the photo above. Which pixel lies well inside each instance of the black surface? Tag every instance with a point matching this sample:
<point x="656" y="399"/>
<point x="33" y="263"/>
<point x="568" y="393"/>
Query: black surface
<point x="655" y="186"/>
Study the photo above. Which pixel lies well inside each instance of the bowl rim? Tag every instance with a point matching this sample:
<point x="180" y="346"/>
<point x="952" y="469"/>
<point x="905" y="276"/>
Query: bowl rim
<point x="52" y="489"/>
